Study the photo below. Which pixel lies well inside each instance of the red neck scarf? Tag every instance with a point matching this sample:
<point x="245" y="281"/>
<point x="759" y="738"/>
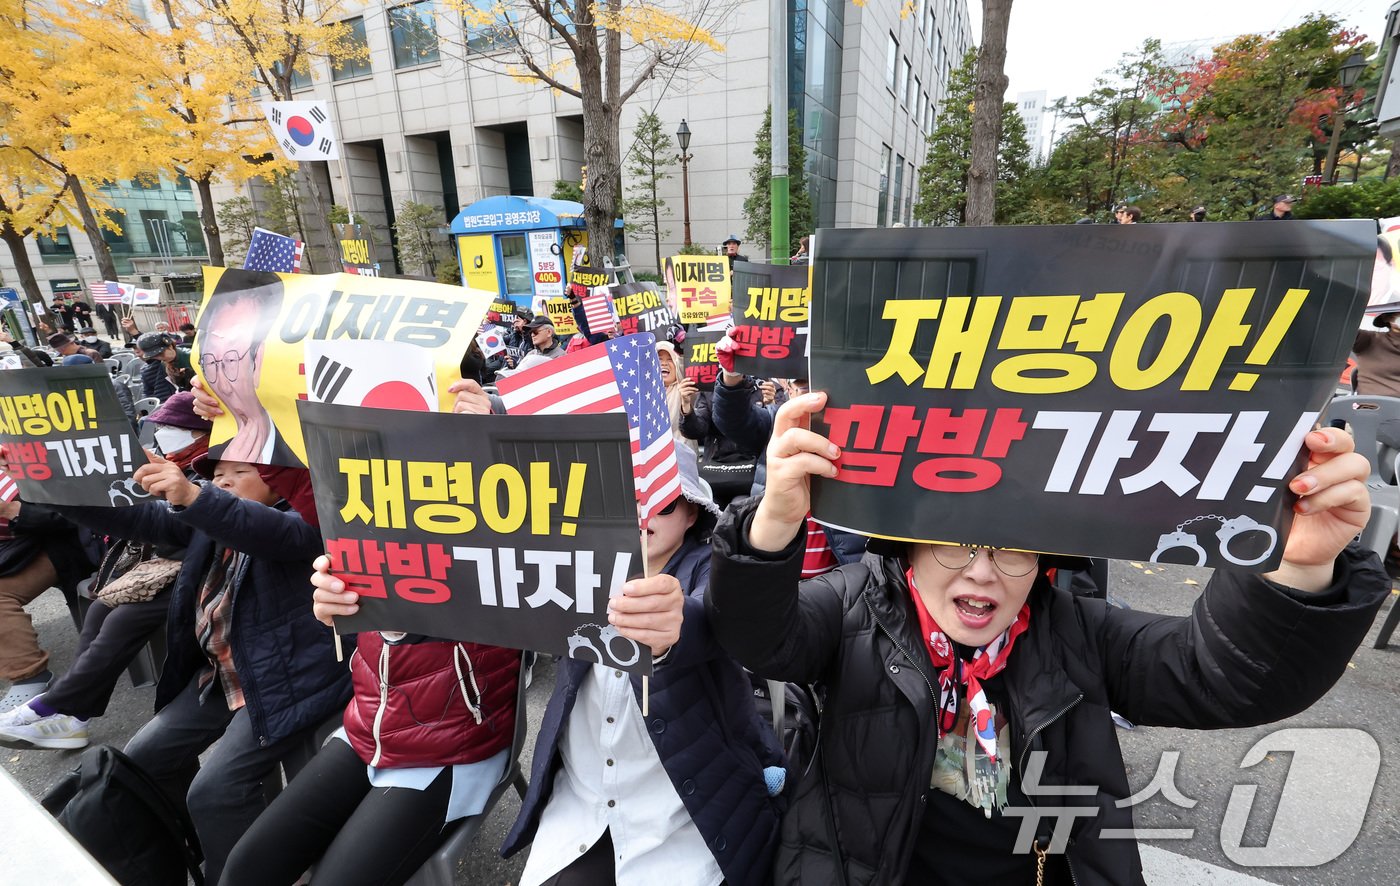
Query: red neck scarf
<point x="954" y="673"/>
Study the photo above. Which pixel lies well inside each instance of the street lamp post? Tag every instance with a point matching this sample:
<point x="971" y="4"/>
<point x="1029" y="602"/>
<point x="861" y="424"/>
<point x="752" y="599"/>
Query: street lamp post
<point x="1351" y="71"/>
<point x="683" y="139"/>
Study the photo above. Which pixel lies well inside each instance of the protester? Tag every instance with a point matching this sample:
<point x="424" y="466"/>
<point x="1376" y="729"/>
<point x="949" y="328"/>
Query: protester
<point x="731" y="251"/>
<point x="543" y="339"/>
<point x="63" y="310"/>
<point x="676" y="385"/>
<point x="82" y="313"/>
<point x="1282" y="210"/>
<point x="248" y="665"/>
<point x="119" y="390"/>
<point x="1198" y="214"/>
<point x="88" y="338"/>
<point x="39" y="549"/>
<point x="1377" y="357"/>
<point x="130" y="330"/>
<point x="130" y="605"/>
<point x="986" y="627"/>
<point x="681" y="796"/>
<point x="187" y="333"/>
<point x="1127" y="215"/>
<point x="35" y="358"/>
<point x="66" y="346"/>
<point x="154" y="380"/>
<point x="802" y="256"/>
<point x="727" y="464"/>
<point x="160" y="347"/>
<point x="427" y="735"/>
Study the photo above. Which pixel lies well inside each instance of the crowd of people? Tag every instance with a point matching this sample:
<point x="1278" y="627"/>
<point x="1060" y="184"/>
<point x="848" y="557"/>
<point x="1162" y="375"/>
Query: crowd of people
<point x="940" y="667"/>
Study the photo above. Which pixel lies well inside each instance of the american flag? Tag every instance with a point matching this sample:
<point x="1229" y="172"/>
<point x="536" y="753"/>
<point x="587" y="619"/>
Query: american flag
<point x="598" y="311"/>
<point x="621" y="375"/>
<point x="270" y="251"/>
<point x="8" y="490"/>
<point x="106" y="293"/>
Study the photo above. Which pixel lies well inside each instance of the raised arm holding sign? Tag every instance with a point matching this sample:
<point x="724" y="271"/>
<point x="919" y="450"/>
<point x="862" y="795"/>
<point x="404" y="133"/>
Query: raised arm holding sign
<point x="960" y="680"/>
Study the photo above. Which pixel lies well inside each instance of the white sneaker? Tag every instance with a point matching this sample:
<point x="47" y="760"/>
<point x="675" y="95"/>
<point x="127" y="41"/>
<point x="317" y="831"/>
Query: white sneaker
<point x="23" y="728"/>
<point x="22" y="692"/>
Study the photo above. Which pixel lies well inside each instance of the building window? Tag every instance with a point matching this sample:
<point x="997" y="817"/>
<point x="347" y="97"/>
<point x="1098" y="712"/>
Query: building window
<point x="488" y="29"/>
<point x="898" y="187"/>
<point x="909" y="198"/>
<point x="61" y="243"/>
<point x="914" y="100"/>
<point x="192" y="232"/>
<point x="413" y="32"/>
<point x="892" y="64"/>
<point x="350" y="68"/>
<point x="301" y="74"/>
<point x="883" y="204"/>
<point x="182" y="182"/>
<point x="117" y="240"/>
<point x="516" y="264"/>
<point x="906" y="75"/>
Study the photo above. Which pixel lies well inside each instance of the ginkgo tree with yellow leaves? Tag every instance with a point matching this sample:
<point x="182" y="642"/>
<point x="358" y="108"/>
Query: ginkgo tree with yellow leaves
<point x="601" y="53"/>
<point x="71" y="117"/>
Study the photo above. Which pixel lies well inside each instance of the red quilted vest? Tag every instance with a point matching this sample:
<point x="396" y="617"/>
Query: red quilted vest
<point x="421" y="713"/>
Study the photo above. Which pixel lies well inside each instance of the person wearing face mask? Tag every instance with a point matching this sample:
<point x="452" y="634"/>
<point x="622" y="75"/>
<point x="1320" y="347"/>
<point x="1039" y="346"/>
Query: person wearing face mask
<point x="946" y="666"/>
<point x="130" y="604"/>
<point x="88" y="338"/>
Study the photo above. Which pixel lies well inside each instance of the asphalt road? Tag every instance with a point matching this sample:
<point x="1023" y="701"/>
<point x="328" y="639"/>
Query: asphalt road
<point x="1208" y="764"/>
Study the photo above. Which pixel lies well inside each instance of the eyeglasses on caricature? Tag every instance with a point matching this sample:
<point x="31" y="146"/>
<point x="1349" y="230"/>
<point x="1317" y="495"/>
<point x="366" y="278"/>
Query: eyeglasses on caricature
<point x="227" y="364"/>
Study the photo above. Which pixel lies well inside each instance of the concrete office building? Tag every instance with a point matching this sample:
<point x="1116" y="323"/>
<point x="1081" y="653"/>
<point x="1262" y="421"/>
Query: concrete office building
<point x="1031" y="107"/>
<point x="429" y="116"/>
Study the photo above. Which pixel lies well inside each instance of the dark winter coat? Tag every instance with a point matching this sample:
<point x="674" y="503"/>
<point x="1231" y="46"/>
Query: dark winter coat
<point x="1251" y="652"/>
<point x="409" y="709"/>
<point x="750" y="424"/>
<point x="702" y="720"/>
<point x="284" y="657"/>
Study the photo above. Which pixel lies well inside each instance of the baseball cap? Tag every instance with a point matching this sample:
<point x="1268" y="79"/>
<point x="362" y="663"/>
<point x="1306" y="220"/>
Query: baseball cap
<point x="1285" y="198"/>
<point x="539" y="322"/>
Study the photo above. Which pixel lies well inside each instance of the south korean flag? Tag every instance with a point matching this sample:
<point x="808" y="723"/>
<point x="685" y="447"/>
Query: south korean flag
<point x="375" y="374"/>
<point x="303" y="129"/>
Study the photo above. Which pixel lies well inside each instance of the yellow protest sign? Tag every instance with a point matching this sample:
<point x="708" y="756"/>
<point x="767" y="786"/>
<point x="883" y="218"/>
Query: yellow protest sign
<point x="561" y="315"/>
<point x="253" y="333"/>
<point x="697" y="286"/>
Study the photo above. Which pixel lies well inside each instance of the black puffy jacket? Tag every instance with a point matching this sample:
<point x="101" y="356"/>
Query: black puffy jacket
<point x="1249" y="653"/>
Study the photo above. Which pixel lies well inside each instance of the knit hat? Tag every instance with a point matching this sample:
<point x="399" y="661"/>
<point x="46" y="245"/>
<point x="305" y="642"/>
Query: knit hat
<point x="178" y="412"/>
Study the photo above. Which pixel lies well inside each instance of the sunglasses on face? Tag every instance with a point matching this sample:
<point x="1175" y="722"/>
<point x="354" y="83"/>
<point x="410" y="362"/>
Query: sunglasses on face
<point x="670" y="508"/>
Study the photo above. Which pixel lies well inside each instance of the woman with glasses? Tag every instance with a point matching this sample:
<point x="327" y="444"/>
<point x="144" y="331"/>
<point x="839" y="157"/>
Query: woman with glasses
<point x="963" y="691"/>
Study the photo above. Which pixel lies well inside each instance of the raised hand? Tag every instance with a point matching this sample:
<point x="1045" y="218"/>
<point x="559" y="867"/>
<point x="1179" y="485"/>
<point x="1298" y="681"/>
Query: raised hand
<point x="795" y="454"/>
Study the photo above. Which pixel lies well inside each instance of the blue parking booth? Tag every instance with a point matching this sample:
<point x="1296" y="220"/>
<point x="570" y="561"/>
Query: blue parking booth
<point x="519" y="247"/>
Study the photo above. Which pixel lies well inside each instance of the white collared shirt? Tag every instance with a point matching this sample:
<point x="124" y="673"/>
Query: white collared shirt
<point x="612" y="779"/>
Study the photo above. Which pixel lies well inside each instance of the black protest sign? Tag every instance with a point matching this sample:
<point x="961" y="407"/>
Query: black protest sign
<point x="770" y="320"/>
<point x="356" y="250"/>
<point x="1133" y="392"/>
<point x="509" y="530"/>
<point x="701" y="362"/>
<point x="67" y="441"/>
<point x="583" y="279"/>
<point x="640" y="308"/>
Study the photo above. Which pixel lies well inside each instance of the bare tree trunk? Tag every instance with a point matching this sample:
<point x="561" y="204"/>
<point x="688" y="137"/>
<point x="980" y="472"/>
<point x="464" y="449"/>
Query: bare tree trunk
<point x="1392" y="167"/>
<point x="213" y="242"/>
<point x="27" y="281"/>
<point x="988" y="96"/>
<point x="100" y="251"/>
<point x="601" y="135"/>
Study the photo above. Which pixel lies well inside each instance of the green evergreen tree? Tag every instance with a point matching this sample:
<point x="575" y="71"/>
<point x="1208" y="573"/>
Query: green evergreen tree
<point x="420" y="245"/>
<point x="758" y="206"/>
<point x="647" y="166"/>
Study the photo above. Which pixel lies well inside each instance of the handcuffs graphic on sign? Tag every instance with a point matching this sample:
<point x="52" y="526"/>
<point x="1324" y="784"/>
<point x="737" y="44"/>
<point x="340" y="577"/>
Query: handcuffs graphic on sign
<point x="607" y="635"/>
<point x="1230" y="529"/>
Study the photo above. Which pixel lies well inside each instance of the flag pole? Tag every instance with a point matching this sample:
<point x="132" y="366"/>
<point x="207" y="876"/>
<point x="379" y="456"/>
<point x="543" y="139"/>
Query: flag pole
<point x="646" y="681"/>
